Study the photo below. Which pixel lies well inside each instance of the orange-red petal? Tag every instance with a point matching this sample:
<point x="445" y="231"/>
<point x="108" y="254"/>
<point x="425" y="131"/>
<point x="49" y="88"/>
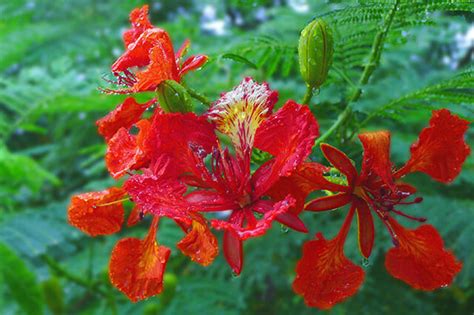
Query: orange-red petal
<point x="440" y="149"/>
<point x="137" y="266"/>
<point x="376" y="156"/>
<point x="97" y="213"/>
<point x="420" y="258"/>
<point x="324" y="276"/>
<point x="124" y="115"/>
<point x="340" y="161"/>
<point x="192" y="63"/>
<point x="134" y="216"/>
<point x="199" y="243"/>
<point x="125" y="151"/>
<point x="140" y="23"/>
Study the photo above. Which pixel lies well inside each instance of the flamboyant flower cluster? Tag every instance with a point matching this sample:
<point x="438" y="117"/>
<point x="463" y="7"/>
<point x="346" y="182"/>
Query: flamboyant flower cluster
<point x="182" y="166"/>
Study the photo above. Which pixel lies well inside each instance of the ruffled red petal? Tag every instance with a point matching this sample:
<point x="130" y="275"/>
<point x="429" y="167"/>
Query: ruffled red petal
<point x="324" y="276"/>
<point x="158" y="196"/>
<point x="97" y="213"/>
<point x="123" y="116"/>
<point x="340" y="161"/>
<point x="125" y="151"/>
<point x="208" y="200"/>
<point x="159" y="69"/>
<point x="140" y="23"/>
<point x="329" y="202"/>
<point x="376" y="156"/>
<point x="137" y="266"/>
<point x="199" y="243"/>
<point x="420" y="258"/>
<point x="254" y="227"/>
<point x="138" y="53"/>
<point x="440" y="149"/>
<point x="297" y="129"/>
<point x="366" y="229"/>
<point x="181" y="139"/>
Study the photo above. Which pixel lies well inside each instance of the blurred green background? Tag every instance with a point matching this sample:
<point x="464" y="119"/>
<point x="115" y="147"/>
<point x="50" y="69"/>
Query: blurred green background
<point x="53" y="55"/>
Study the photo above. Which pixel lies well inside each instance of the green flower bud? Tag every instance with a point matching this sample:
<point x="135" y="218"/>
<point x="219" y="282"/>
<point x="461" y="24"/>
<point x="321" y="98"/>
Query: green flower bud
<point x="53" y="295"/>
<point x="169" y="284"/>
<point x="173" y="97"/>
<point x="315" y="52"/>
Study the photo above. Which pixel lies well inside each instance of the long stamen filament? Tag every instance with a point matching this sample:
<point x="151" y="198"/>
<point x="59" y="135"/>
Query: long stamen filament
<point x="112" y="202"/>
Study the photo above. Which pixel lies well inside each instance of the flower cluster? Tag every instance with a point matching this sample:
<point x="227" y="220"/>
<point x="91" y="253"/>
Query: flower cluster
<point x="181" y="166"/>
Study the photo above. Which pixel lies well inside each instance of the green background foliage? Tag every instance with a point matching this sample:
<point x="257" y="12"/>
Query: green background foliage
<point x="53" y="55"/>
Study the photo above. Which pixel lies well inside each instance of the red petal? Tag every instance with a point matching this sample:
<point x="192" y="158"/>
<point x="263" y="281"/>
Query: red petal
<point x="420" y="259"/>
<point x="366" y="229"/>
<point x="137" y="266"/>
<point x="233" y="251"/>
<point x="199" y="243"/>
<point x="376" y="156"/>
<point x="289" y="219"/>
<point x="182" y="50"/>
<point x="260" y="226"/>
<point x="161" y="197"/>
<point x="140" y="23"/>
<point x="306" y="178"/>
<point x="159" y="70"/>
<point x="340" y="161"/>
<point x="122" y="153"/>
<point x="95" y="213"/>
<point x="139" y="53"/>
<point x="440" y="149"/>
<point x="329" y="202"/>
<point x="207" y="200"/>
<point x="324" y="276"/>
<point x="289" y="136"/>
<point x="124" y="115"/>
<point x="134" y="216"/>
<point x="174" y="134"/>
<point x="192" y="63"/>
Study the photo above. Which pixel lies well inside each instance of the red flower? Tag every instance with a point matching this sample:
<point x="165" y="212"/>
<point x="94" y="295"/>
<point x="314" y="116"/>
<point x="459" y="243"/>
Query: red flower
<point x="419" y="257"/>
<point x="150" y="49"/>
<point x="245" y="116"/>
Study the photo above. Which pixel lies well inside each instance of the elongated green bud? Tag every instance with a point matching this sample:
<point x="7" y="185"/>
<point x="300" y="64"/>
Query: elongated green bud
<point x="315" y="52"/>
<point x="173" y="97"/>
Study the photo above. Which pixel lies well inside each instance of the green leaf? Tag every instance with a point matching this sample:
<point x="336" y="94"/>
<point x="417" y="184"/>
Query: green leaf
<point x="21" y="282"/>
<point x="240" y="59"/>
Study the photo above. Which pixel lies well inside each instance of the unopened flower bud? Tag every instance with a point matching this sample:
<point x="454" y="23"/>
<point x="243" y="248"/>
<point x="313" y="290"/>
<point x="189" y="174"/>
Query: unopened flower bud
<point x="173" y="97"/>
<point x="315" y="52"/>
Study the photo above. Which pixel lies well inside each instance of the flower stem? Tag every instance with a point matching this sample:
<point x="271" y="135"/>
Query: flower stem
<point x="60" y="271"/>
<point x="374" y="58"/>
<point x="308" y="95"/>
<point x="196" y="95"/>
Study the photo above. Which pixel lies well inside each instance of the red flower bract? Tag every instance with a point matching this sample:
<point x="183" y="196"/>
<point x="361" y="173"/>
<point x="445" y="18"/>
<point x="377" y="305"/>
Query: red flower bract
<point x="150" y="49"/>
<point x="419" y="257"/>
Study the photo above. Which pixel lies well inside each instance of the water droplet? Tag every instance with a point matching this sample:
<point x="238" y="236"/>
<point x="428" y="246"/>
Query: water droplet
<point x="365" y="262"/>
<point x="284" y="228"/>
